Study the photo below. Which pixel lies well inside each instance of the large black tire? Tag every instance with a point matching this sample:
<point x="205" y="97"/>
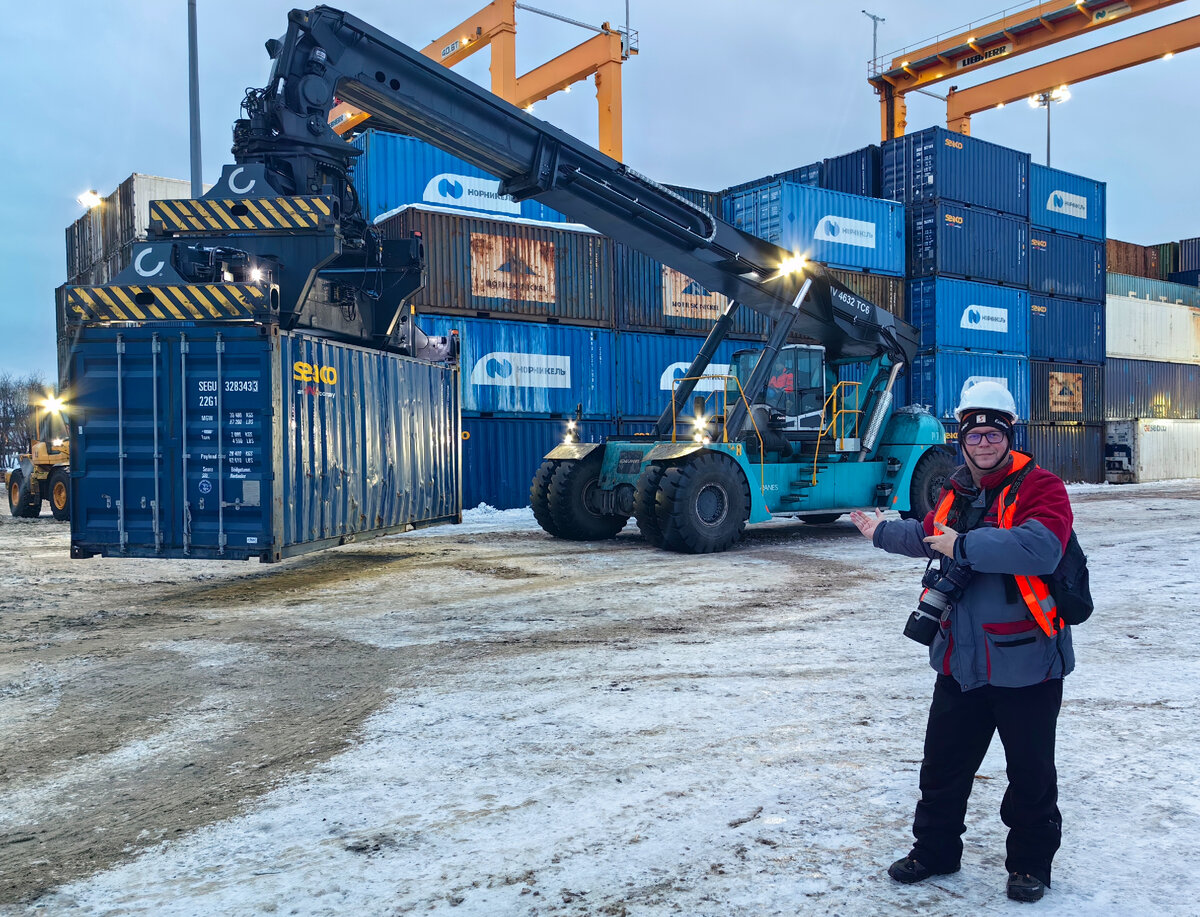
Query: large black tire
<point x="60" y="494"/>
<point x="929" y="477"/>
<point x="821" y="518"/>
<point x="645" y="504"/>
<point x="22" y="502"/>
<point x="539" y="496"/>
<point x="572" y="501"/>
<point x="704" y="504"/>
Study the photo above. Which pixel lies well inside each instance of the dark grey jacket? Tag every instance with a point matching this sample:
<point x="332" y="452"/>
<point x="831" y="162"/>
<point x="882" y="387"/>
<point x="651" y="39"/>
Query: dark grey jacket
<point x="990" y="637"/>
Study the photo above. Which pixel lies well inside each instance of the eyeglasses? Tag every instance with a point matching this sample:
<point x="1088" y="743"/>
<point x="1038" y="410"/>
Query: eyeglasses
<point x="974" y="439"/>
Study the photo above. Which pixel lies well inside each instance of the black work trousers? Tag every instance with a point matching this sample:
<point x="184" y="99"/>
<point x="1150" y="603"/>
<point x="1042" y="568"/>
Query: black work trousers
<point x="961" y="724"/>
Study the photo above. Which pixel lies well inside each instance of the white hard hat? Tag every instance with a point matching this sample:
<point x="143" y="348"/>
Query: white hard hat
<point x="986" y="395"/>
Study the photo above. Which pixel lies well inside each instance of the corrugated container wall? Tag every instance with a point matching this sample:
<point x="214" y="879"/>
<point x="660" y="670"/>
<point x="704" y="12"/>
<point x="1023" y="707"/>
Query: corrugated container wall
<point x="1062" y="265"/>
<point x="519" y="368"/>
<point x="1143" y="450"/>
<point x="936" y="164"/>
<point x="648" y="366"/>
<point x="1168" y="259"/>
<point x="945" y="238"/>
<point x="1138" y="329"/>
<point x="840" y="230"/>
<point x="117" y="222"/>
<point x="510" y="269"/>
<point x="395" y="170"/>
<point x="653" y="297"/>
<point x="1146" y="388"/>
<point x="1063" y="202"/>
<point x="1074" y="452"/>
<point x="1185" y="278"/>
<point x="938" y="379"/>
<point x="709" y="200"/>
<point x="854" y="173"/>
<point x="1066" y="329"/>
<point x="1065" y="393"/>
<point x="1189" y="255"/>
<point x="1156" y="290"/>
<point x="961" y="315"/>
<point x="501" y="456"/>
<point x="879" y="289"/>
<point x="1130" y="258"/>
<point x="810" y="174"/>
<point x="238" y="441"/>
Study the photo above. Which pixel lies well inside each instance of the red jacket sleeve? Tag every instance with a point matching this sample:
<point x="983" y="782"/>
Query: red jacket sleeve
<point x="1043" y="496"/>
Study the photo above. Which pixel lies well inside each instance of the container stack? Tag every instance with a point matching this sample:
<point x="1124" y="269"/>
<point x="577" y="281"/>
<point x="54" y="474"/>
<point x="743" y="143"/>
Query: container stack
<point x="967" y="235"/>
<point x="1067" y="322"/>
<point x="99" y="242"/>
<point x="1152" y="380"/>
<point x="532" y="305"/>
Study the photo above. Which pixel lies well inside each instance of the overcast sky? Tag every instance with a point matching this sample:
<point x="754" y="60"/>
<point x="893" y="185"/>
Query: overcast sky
<point x="720" y="93"/>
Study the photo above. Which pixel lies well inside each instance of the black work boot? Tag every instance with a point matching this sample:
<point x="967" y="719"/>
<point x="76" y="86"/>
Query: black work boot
<point x="1025" y="887"/>
<point x="908" y="871"/>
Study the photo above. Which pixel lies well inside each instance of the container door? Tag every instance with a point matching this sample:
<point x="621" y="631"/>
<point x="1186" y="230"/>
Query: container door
<point x="123" y="486"/>
<point x="220" y="449"/>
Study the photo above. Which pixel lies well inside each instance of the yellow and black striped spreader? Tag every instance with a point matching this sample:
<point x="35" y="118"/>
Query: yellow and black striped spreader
<point x="204" y="301"/>
<point x="273" y="214"/>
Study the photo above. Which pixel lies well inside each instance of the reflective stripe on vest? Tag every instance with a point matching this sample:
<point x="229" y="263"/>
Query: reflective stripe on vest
<point x="1034" y="591"/>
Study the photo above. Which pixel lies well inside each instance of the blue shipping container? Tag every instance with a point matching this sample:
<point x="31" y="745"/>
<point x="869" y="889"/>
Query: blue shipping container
<point x="1066" y="203"/>
<point x="810" y="174"/>
<point x="1185" y="278"/>
<point x="840" y="230"/>
<point x="501" y="455"/>
<point x="1066" y="330"/>
<point x="937" y="164"/>
<point x="946" y="238"/>
<point x="520" y="368"/>
<point x="395" y="170"/>
<point x="1066" y="266"/>
<point x="854" y="173"/>
<point x="238" y="441"/>
<point x="960" y="315"/>
<point x="1156" y="290"/>
<point x="648" y="366"/>
<point x="1189" y="254"/>
<point x="938" y="379"/>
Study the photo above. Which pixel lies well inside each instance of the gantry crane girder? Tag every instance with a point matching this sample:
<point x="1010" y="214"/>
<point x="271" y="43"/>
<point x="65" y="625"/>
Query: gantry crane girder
<point x="1017" y="32"/>
<point x="495" y="27"/>
<point x="1118" y="55"/>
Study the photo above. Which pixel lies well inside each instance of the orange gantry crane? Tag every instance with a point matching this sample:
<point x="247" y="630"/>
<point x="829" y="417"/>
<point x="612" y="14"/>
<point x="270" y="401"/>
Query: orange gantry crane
<point x="1018" y="31"/>
<point x="495" y="26"/>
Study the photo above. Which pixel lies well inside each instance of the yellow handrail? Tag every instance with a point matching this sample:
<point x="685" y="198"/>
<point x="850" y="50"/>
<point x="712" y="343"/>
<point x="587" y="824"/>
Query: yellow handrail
<point x="835" y="416"/>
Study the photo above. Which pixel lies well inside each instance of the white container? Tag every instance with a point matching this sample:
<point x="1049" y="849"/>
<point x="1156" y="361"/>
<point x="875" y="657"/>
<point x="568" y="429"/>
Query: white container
<point x="1138" y="329"/>
<point x="1148" y="449"/>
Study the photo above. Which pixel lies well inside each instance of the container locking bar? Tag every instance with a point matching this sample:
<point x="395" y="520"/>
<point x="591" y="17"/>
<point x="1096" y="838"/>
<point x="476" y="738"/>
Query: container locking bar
<point x="122" y="533"/>
<point x="155" y="350"/>
<point x="187" y="503"/>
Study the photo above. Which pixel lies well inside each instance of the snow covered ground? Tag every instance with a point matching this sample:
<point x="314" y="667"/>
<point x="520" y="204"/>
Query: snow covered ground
<point x="531" y="727"/>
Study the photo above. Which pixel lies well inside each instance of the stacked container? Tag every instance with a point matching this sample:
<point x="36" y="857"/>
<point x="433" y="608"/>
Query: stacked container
<point x="532" y="305"/>
<point x="967" y="236"/>
<point x="1152" y="386"/>
<point x="1067" y="322"/>
<point x="99" y="242"/>
<point x="395" y="171"/>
